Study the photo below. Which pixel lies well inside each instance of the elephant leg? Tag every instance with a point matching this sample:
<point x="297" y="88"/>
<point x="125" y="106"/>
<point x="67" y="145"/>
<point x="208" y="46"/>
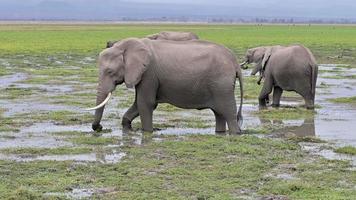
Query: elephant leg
<point x="129" y="116"/>
<point x="277" y="93"/>
<point x="267" y="99"/>
<point x="309" y="101"/>
<point x="226" y="106"/>
<point x="307" y="95"/>
<point x="266" y="90"/>
<point x="220" y="123"/>
<point x="145" y="105"/>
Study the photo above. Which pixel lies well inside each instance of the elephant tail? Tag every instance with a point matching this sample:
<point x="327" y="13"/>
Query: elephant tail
<point x="314" y="76"/>
<point x="239" y="114"/>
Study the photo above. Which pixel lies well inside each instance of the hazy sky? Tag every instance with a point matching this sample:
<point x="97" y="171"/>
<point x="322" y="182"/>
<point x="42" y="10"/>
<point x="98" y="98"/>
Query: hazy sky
<point x="113" y="9"/>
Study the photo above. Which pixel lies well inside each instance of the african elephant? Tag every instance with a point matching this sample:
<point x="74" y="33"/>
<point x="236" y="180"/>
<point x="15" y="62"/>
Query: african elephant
<point x="188" y="74"/>
<point x="165" y="35"/>
<point x="290" y="68"/>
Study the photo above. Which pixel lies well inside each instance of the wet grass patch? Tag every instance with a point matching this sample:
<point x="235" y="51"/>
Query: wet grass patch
<point x="16" y="93"/>
<point x="346" y="150"/>
<point x="320" y="179"/>
<point x="310" y="139"/>
<point x="251" y="88"/>
<point x="94" y="140"/>
<point x="58" y="117"/>
<point x="47" y="151"/>
<point x="4" y="71"/>
<point x="83" y="100"/>
<point x="9" y="124"/>
<point x="285" y="113"/>
<point x="352" y="76"/>
<point x="217" y="167"/>
<point x="349" y="100"/>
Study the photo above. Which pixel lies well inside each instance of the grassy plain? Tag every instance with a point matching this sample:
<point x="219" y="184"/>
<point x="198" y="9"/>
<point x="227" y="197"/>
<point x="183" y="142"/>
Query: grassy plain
<point x="162" y="166"/>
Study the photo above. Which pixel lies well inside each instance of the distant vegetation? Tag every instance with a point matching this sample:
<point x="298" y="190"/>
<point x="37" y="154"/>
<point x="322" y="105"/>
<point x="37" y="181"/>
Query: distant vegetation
<point x="329" y="43"/>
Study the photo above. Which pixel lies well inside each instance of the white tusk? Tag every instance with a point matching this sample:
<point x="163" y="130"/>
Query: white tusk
<point x="244" y="63"/>
<point x="102" y="103"/>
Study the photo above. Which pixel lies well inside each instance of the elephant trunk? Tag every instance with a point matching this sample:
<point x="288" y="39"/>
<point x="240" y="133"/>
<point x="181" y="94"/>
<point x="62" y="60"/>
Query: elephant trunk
<point x="102" y="97"/>
<point x="257" y="68"/>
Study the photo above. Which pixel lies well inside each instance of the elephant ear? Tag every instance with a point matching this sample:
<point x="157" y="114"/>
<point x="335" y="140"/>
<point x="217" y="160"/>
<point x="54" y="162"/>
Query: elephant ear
<point x="136" y="59"/>
<point x="266" y="57"/>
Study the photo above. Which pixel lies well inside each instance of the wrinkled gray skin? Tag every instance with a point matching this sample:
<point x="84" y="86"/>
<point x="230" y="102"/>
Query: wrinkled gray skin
<point x="290" y="68"/>
<point x="188" y="74"/>
<point x="165" y="35"/>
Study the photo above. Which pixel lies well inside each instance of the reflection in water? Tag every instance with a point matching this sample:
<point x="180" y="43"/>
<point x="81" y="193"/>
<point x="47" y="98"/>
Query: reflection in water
<point x="136" y="138"/>
<point x="307" y="128"/>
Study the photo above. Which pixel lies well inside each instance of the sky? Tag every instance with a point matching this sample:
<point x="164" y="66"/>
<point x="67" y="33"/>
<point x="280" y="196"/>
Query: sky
<point x="142" y="9"/>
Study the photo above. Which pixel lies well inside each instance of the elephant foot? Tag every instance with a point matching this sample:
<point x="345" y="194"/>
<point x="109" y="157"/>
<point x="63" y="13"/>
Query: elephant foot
<point x="238" y="131"/>
<point x="97" y="127"/>
<point x="262" y="107"/>
<point x="310" y="107"/>
<point x="220" y="132"/>
<point x="126" y="124"/>
<point x="276" y="105"/>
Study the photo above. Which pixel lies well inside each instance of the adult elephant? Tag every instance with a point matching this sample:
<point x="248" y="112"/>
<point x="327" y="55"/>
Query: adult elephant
<point x="290" y="68"/>
<point x="166" y="35"/>
<point x="188" y="74"/>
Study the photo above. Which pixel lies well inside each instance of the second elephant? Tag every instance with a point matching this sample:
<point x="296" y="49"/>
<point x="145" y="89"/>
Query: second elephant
<point x="290" y="68"/>
<point x="166" y="35"/>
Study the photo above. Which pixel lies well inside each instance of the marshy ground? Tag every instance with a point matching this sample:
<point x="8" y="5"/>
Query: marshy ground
<point x="48" y="74"/>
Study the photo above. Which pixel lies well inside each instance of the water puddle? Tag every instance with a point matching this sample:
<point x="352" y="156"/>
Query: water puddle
<point x="48" y="88"/>
<point x="28" y="140"/>
<point x="19" y="106"/>
<point x="318" y="149"/>
<point x="8" y="80"/>
<point x="111" y="158"/>
<point x="82" y="193"/>
<point x="39" y="135"/>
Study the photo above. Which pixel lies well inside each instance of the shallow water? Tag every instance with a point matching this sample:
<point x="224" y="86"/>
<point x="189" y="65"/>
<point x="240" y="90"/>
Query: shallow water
<point x="317" y="149"/>
<point x="333" y="122"/>
<point x="90" y="157"/>
<point x="8" y="80"/>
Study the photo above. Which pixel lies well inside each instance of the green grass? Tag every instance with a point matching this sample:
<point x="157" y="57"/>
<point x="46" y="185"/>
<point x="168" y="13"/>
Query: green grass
<point x="346" y="150"/>
<point x="172" y="167"/>
<point x="15" y="93"/>
<point x="94" y="140"/>
<point x="285" y="113"/>
<point x="198" y="167"/>
<point x="47" y="151"/>
<point x="63" y="117"/>
<point x="349" y="100"/>
<point x="325" y="41"/>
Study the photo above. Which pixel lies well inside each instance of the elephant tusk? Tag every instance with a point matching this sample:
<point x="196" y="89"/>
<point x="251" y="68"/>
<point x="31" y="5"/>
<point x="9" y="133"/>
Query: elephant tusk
<point x="102" y="103"/>
<point x="243" y="65"/>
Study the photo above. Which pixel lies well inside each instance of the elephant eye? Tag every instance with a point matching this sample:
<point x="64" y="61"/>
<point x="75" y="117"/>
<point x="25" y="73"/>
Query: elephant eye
<point x="110" y="72"/>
